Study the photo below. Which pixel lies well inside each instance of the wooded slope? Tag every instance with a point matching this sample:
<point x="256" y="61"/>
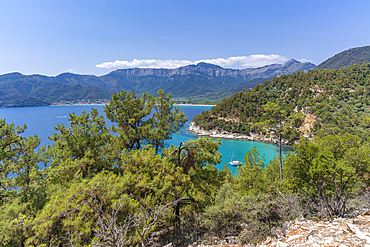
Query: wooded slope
<point x="347" y="58"/>
<point x="339" y="99"/>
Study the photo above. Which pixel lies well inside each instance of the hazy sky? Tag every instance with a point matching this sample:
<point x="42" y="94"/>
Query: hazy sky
<point x="95" y="37"/>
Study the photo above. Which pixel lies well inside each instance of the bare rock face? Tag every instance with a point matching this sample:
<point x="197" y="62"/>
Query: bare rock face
<point x="338" y="232"/>
<point x="307" y="125"/>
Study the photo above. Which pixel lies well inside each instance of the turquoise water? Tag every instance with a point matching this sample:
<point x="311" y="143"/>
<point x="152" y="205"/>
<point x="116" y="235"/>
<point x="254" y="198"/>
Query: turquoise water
<point x="41" y="121"/>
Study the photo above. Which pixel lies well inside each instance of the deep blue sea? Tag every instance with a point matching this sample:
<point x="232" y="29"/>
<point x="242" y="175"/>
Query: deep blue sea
<point x="41" y="121"/>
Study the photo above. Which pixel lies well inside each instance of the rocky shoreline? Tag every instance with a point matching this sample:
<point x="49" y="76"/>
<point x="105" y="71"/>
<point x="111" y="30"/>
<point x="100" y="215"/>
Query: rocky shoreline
<point x="226" y="135"/>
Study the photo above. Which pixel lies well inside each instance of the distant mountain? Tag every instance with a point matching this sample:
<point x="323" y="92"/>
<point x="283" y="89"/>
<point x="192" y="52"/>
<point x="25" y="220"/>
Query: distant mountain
<point x="183" y="82"/>
<point x="194" y="79"/>
<point x="18" y="90"/>
<point x="347" y="58"/>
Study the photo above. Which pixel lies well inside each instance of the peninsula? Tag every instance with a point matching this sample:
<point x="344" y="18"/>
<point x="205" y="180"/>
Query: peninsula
<point x="301" y="105"/>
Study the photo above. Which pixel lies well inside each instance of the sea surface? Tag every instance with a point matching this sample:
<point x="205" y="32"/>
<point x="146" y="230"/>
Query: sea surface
<point x="41" y="121"/>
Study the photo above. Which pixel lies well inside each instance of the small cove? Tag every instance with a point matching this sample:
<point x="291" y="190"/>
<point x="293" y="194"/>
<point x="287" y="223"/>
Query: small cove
<point x="41" y="121"/>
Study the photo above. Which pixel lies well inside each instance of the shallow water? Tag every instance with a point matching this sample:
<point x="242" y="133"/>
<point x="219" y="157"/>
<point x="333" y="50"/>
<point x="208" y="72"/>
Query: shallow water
<point x="41" y="121"/>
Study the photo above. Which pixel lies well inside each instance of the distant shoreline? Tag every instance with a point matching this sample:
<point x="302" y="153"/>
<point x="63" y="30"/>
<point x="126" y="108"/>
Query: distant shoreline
<point x="105" y="104"/>
<point x="192" y="105"/>
<point x="76" y="104"/>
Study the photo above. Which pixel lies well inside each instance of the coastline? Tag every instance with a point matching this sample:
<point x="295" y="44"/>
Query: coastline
<point x="105" y="104"/>
<point x="191" y="105"/>
<point x="193" y="128"/>
<point x="92" y="104"/>
<point x="76" y="104"/>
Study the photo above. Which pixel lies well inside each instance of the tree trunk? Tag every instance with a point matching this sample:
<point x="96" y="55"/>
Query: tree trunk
<point x="281" y="162"/>
<point x="177" y="215"/>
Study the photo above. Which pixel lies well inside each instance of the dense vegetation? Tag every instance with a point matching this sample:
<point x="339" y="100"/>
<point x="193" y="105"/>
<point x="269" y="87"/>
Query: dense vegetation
<point x="338" y="99"/>
<point x="214" y="98"/>
<point x="123" y="187"/>
<point x="347" y="58"/>
<point x="30" y="92"/>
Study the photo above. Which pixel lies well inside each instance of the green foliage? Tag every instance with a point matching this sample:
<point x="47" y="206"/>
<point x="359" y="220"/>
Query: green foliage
<point x="198" y="159"/>
<point x="224" y="217"/>
<point x="264" y="212"/>
<point x="143" y="178"/>
<point x="257" y="214"/>
<point x="67" y="216"/>
<point x="100" y="188"/>
<point x="166" y="120"/>
<point x="250" y="176"/>
<point x="329" y="170"/>
<point x="131" y="113"/>
<point x="347" y="58"/>
<point x="143" y="120"/>
<point x="82" y="148"/>
<point x="22" y="91"/>
<point x="21" y="182"/>
<point x="337" y="98"/>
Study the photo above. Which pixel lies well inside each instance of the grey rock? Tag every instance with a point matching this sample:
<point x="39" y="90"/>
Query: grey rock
<point x="312" y="233"/>
<point x="235" y="241"/>
<point x="301" y="218"/>
<point x="275" y="231"/>
<point x="222" y="242"/>
<point x="285" y="228"/>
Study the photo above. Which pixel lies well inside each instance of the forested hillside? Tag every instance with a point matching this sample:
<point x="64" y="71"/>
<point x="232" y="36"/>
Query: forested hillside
<point x="24" y="92"/>
<point x="347" y="58"/>
<point x="122" y="186"/>
<point x="338" y="100"/>
<point x="213" y="98"/>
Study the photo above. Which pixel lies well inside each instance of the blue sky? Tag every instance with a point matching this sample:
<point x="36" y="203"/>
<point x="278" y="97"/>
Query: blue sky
<point x="96" y="37"/>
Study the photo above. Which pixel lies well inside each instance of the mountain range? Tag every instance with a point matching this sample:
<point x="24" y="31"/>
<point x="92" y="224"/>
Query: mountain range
<point x="17" y="89"/>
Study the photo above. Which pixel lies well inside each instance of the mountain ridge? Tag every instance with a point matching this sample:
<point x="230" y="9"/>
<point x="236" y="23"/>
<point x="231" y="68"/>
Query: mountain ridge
<point x="182" y="82"/>
<point x="347" y="58"/>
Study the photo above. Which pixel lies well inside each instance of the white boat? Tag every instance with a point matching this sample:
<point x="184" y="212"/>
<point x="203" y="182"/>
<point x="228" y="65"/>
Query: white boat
<point x="234" y="162"/>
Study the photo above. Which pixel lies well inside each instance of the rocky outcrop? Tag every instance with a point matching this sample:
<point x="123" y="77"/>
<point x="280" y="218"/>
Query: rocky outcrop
<point x="338" y="232"/>
<point x="307" y="125"/>
<point x="304" y="233"/>
<point x="226" y="135"/>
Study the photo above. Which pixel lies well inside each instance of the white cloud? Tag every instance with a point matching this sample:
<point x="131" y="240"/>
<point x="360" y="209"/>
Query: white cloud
<point x="247" y="61"/>
<point x="305" y="60"/>
<point x="236" y="62"/>
<point x="145" y="63"/>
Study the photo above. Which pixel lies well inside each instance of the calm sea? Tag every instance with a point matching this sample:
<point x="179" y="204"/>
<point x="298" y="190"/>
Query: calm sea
<point x="41" y="121"/>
